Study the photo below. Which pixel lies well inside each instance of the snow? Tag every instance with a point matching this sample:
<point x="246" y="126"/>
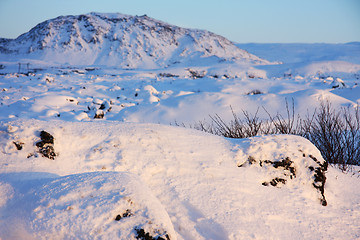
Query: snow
<point x="85" y="206"/>
<point x="150" y="96"/>
<point x="119" y="170"/>
<point x="195" y="176"/>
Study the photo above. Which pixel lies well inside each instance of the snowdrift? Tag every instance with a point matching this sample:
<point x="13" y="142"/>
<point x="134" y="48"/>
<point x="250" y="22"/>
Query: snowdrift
<point x="130" y="180"/>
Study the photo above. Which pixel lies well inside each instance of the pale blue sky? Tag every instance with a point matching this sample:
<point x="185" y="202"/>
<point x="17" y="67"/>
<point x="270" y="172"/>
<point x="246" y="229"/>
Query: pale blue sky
<point x="243" y="21"/>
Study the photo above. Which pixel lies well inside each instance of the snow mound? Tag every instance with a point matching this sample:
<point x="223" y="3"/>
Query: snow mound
<point x="284" y="159"/>
<point x="98" y="205"/>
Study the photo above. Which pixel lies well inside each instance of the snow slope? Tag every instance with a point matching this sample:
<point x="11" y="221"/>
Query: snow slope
<point x="195" y="178"/>
<point x="120" y="40"/>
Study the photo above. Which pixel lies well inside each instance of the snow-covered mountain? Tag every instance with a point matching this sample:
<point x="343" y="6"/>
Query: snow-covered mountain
<point x="121" y="40"/>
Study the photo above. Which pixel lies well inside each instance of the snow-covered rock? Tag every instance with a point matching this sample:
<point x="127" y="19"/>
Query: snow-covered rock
<point x="287" y="159"/>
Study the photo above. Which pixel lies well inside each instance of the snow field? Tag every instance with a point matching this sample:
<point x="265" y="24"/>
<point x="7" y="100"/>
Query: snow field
<point x="167" y="95"/>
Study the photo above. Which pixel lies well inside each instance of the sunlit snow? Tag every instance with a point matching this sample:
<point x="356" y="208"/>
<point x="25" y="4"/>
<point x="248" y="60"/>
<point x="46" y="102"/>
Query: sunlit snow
<point x="87" y="150"/>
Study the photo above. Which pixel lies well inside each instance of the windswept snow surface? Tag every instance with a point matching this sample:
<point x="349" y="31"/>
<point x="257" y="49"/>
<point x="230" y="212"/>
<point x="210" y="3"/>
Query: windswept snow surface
<point x="82" y="155"/>
<point x="175" y="181"/>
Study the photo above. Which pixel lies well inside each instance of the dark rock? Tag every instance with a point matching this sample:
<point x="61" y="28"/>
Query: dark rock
<point x="168" y="75"/>
<point x="45" y="146"/>
<point x="251" y="160"/>
<point x="46" y="137"/>
<point x="195" y="74"/>
<point x="288" y="171"/>
<point x="287" y="164"/>
<point x="18" y="145"/>
<point x="48" y="151"/>
<point x="254" y="92"/>
<point x="99" y="115"/>
<point x="319" y="182"/>
<point x="142" y="235"/>
<point x="226" y="76"/>
<point x="275" y="181"/>
<point x="102" y="106"/>
<point x="127" y="213"/>
<point x="319" y="178"/>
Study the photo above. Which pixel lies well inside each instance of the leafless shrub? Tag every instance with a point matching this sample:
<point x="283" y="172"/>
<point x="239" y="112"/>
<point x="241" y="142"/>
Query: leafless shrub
<point x="336" y="133"/>
<point x="249" y="126"/>
<point x="290" y="124"/>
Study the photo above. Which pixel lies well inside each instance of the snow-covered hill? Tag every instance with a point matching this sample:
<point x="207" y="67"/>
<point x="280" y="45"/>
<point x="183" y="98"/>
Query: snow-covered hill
<point x="121" y="40"/>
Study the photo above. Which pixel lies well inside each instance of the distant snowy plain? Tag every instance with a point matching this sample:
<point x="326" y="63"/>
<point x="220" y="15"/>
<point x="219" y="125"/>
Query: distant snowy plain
<point x="121" y="171"/>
